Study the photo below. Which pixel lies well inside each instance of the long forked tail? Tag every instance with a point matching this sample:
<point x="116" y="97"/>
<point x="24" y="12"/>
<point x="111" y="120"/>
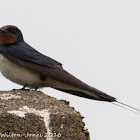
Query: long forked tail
<point x="83" y="90"/>
<point x="103" y="97"/>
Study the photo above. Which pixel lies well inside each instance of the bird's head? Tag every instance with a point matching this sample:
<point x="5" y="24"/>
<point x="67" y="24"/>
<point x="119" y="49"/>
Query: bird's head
<point x="10" y="34"/>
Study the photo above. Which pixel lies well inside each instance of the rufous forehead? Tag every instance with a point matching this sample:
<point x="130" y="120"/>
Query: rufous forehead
<point x="5" y="27"/>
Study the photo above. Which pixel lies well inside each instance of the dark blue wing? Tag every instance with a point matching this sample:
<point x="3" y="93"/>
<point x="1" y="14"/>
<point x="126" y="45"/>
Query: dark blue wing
<point x="24" y="55"/>
<point x="29" y="58"/>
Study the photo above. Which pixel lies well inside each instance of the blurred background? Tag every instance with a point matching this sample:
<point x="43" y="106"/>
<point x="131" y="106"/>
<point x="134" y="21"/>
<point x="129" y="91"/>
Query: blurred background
<point x="98" y="42"/>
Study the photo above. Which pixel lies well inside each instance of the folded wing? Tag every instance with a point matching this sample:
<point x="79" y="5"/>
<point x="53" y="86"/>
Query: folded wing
<point x="33" y="60"/>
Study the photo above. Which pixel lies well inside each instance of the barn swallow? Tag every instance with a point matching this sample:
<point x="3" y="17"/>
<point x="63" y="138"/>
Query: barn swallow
<point x="22" y="64"/>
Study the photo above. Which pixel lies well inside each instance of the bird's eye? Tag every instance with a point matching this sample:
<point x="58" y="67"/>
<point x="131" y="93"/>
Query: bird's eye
<point x="14" y="30"/>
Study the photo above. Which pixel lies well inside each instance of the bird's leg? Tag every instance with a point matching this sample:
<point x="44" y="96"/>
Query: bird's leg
<point x="36" y="88"/>
<point x="23" y="88"/>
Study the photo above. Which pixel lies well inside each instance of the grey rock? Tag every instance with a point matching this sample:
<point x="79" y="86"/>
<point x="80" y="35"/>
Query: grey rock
<point x="33" y="115"/>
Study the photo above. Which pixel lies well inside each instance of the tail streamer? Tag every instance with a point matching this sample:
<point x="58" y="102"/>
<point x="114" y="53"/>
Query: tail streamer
<point x="127" y="107"/>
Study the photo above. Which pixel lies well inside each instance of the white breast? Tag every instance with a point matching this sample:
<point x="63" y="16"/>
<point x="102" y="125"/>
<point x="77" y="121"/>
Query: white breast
<point x="19" y="74"/>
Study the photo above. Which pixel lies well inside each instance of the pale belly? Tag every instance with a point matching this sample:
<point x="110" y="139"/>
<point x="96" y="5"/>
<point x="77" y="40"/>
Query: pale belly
<point x="18" y="74"/>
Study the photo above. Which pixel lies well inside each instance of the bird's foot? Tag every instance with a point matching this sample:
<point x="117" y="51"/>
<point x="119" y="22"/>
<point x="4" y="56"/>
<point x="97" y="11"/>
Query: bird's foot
<point x="36" y="89"/>
<point x="23" y="88"/>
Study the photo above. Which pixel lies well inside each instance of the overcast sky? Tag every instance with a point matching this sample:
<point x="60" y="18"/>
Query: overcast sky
<point x="96" y="40"/>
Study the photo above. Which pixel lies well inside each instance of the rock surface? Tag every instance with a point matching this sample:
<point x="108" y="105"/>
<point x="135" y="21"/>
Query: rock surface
<point x="33" y="115"/>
